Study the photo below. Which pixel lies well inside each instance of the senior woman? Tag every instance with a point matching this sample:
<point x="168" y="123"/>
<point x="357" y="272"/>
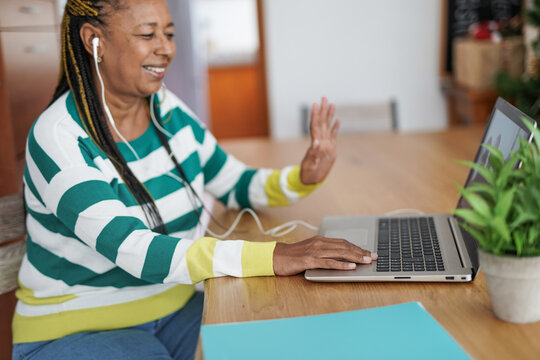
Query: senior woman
<point x="116" y="166"/>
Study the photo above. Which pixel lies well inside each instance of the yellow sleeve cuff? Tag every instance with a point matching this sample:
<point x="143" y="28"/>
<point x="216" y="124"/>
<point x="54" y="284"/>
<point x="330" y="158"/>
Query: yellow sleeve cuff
<point x="200" y="259"/>
<point x="258" y="258"/>
<point x="294" y="183"/>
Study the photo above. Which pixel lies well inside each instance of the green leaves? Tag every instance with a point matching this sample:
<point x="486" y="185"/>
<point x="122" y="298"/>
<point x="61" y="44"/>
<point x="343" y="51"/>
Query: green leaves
<point x="471" y="217"/>
<point x="504" y="203"/>
<point x="504" y="214"/>
<point x="484" y="190"/>
<point x="496" y="158"/>
<point x="521" y="219"/>
<point x="480" y="206"/>
<point x="498" y="224"/>
<point x="486" y="173"/>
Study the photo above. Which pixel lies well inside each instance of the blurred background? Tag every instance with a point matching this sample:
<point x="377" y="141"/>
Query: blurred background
<point x="272" y="59"/>
<point x="253" y="67"/>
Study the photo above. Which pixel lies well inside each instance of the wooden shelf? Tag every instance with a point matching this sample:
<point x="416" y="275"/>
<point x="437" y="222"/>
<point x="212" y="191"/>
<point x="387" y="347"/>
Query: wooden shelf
<point x="465" y="105"/>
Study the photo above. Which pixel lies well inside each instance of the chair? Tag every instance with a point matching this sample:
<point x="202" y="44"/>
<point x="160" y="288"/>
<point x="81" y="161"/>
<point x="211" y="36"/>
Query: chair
<point x="12" y="250"/>
<point x="360" y="117"/>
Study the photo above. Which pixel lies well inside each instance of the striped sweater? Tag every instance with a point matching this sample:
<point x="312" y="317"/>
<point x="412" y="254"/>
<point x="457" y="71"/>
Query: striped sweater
<point x="92" y="262"/>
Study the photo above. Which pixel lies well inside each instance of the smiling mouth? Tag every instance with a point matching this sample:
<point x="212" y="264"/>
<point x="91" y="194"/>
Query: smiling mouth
<point x="157" y="70"/>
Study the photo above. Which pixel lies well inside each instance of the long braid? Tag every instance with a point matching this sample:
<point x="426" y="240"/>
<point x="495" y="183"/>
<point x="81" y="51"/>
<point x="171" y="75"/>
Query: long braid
<point x="76" y="75"/>
<point x="198" y="208"/>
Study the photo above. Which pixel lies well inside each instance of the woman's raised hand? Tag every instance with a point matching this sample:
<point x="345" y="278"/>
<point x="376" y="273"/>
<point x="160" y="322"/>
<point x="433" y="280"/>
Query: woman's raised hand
<point x="322" y="153"/>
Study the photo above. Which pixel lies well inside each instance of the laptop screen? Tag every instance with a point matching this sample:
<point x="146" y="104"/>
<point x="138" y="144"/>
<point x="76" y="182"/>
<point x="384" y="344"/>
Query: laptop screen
<point x="503" y="131"/>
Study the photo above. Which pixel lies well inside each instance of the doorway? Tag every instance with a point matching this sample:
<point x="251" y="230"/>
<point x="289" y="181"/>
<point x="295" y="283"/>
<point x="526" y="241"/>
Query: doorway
<point x="233" y="35"/>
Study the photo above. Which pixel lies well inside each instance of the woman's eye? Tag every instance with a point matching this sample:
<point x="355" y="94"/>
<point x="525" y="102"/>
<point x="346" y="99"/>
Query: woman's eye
<point x="147" y="36"/>
<point x="169" y="36"/>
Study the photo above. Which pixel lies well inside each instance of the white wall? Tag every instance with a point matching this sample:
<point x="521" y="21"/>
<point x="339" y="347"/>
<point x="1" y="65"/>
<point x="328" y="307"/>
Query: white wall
<point x="353" y="50"/>
<point x="187" y="74"/>
<point x="229" y="27"/>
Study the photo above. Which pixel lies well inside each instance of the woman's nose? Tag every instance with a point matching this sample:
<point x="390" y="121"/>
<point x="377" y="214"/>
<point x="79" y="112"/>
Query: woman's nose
<point x="166" y="45"/>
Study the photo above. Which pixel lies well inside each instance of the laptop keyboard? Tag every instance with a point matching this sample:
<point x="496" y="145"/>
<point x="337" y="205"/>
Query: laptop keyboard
<point x="408" y="244"/>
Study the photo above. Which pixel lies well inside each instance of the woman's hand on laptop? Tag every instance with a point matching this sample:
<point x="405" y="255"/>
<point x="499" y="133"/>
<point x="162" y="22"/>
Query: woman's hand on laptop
<point x="319" y="252"/>
<point x="322" y="152"/>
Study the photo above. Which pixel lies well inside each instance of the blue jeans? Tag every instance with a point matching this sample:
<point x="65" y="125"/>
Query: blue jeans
<point x="172" y="337"/>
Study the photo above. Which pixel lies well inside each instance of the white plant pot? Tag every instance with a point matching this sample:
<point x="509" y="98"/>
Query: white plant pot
<point x="514" y="286"/>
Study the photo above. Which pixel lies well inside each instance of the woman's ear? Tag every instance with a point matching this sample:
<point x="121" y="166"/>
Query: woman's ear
<point x="88" y="33"/>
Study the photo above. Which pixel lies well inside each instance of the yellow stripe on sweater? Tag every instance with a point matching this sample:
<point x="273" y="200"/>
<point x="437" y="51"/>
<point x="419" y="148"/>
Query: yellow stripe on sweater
<point x="273" y="190"/>
<point x="275" y="194"/>
<point x="294" y="183"/>
<point x="258" y="258"/>
<point x="55" y="326"/>
<point x="200" y="259"/>
<point x="27" y="296"/>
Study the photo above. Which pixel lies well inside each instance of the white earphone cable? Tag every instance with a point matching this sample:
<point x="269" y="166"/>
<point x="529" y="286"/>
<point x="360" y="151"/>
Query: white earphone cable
<point x="157" y="125"/>
<point x="95" y="42"/>
<point x="277" y="231"/>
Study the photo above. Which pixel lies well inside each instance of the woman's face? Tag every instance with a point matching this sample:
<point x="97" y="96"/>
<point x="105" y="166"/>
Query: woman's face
<point x="137" y="47"/>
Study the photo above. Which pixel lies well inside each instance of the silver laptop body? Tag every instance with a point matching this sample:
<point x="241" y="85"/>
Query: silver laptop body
<point x="458" y="249"/>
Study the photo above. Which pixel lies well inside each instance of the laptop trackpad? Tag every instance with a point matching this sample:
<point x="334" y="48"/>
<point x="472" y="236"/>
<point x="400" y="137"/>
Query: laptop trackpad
<point x="357" y="236"/>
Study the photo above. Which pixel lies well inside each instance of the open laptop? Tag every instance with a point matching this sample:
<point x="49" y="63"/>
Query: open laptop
<point x="427" y="247"/>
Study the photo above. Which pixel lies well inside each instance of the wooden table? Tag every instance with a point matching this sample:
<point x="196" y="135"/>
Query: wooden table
<point x="374" y="174"/>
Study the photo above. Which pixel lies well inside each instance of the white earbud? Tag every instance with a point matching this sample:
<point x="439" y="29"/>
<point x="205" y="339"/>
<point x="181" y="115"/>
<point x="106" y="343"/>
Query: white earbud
<point x="95" y="45"/>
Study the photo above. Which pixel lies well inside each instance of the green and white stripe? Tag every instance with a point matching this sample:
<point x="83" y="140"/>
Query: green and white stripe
<point x="92" y="263"/>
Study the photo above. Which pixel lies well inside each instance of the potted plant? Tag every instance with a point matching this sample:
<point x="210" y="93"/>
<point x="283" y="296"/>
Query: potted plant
<point x="504" y="217"/>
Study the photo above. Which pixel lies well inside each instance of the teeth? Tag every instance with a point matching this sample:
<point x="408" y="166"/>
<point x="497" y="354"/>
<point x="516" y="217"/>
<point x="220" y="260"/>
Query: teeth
<point x="155" y="69"/>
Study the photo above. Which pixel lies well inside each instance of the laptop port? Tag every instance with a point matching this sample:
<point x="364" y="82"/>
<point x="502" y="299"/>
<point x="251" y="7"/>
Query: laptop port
<point x="449" y="278"/>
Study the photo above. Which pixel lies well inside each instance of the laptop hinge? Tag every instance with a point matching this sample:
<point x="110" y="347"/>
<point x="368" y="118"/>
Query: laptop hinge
<point x="455" y="233"/>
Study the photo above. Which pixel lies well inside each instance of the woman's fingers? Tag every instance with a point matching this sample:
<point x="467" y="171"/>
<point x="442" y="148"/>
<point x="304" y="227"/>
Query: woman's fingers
<point x="314" y="124"/>
<point x="321" y="154"/>
<point x="319" y="252"/>
<point x="330" y="115"/>
<point x="335" y="265"/>
<point x="321" y="119"/>
<point x="341" y="249"/>
<point x="324" y="111"/>
<point x="334" y="131"/>
<point x="350" y="257"/>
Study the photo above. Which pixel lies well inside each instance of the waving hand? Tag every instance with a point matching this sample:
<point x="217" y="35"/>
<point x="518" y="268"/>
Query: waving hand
<point x="322" y="153"/>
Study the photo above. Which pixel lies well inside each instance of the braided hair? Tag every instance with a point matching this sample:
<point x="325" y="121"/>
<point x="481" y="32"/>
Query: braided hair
<point x="76" y="75"/>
